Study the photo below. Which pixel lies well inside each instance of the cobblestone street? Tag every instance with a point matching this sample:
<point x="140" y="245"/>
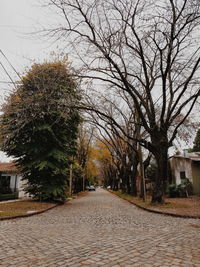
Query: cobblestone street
<point x="99" y="229"/>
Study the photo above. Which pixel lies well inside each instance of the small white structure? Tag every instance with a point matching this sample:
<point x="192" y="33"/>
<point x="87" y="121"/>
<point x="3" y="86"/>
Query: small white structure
<point x="187" y="166"/>
<point x="11" y="179"/>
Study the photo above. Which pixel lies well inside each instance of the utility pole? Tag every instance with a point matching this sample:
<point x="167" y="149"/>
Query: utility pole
<point x="83" y="182"/>
<point x="143" y="187"/>
<point x="142" y="174"/>
<point x="70" y="180"/>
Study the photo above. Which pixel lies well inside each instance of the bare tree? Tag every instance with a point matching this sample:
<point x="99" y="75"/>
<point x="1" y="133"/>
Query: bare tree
<point x="119" y="130"/>
<point x="147" y="49"/>
<point x="84" y="143"/>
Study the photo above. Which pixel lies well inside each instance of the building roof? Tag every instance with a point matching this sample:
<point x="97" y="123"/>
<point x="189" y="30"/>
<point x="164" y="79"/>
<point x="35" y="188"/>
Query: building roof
<point x="191" y="156"/>
<point x="8" y="167"/>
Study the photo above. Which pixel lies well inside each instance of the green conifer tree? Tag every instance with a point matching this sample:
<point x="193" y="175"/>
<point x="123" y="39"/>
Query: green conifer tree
<point x="39" y="128"/>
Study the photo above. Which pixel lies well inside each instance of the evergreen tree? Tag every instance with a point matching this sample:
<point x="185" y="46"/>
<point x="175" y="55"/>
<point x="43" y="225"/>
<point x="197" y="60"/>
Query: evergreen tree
<point x="196" y="147"/>
<point x="39" y="127"/>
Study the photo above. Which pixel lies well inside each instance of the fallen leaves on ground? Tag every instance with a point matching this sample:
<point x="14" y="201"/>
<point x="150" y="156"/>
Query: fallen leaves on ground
<point x="17" y="208"/>
<point x="180" y="206"/>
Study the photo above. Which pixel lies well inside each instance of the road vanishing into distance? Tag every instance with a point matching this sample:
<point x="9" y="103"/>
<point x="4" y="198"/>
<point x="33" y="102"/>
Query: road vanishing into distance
<point x="99" y="229"/>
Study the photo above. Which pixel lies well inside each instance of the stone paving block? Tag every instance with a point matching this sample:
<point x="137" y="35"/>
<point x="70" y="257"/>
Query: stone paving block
<point x="99" y="230"/>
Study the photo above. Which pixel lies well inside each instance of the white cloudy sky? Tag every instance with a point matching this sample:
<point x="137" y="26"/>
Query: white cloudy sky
<point x="19" y="18"/>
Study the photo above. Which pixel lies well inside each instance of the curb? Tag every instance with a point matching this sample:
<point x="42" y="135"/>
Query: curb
<point x="158" y="212"/>
<point x="29" y="215"/>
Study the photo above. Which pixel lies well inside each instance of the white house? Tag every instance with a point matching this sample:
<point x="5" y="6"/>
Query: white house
<point x="11" y="179"/>
<point x="186" y="166"/>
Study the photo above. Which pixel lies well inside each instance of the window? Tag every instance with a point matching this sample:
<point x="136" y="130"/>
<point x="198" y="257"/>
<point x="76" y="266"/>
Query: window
<point x="182" y="175"/>
<point x="5" y="184"/>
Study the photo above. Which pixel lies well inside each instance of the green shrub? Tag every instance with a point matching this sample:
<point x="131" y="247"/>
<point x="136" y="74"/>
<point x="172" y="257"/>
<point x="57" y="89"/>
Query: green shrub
<point x="8" y="196"/>
<point x="182" y="190"/>
<point x="173" y="190"/>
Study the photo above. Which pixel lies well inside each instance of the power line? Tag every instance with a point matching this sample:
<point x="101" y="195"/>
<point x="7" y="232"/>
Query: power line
<point x="6" y="82"/>
<point x="7" y="74"/>
<point x="10" y="64"/>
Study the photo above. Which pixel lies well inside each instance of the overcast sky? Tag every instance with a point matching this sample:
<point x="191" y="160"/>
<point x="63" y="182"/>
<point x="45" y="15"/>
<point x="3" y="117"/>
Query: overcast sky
<point x="19" y="18"/>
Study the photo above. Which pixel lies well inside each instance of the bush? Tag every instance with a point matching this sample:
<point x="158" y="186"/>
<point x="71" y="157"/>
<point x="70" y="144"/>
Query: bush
<point x="185" y="188"/>
<point x="173" y="190"/>
<point x="182" y="190"/>
<point x="8" y="196"/>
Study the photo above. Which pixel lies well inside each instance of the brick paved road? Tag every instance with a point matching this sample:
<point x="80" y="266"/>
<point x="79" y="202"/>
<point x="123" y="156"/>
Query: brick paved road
<point x="99" y="230"/>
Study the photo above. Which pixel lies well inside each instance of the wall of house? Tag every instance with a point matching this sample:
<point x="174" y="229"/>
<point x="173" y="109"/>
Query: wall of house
<point x="16" y="183"/>
<point x="22" y="184"/>
<point x="196" y="177"/>
<point x="179" y="165"/>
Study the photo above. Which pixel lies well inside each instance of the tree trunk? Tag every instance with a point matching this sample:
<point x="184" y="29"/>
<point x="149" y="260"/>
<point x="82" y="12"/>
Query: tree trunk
<point x="133" y="186"/>
<point x="159" y="148"/>
<point x="128" y="186"/>
<point x="122" y="176"/>
<point x="117" y="185"/>
<point x="133" y="174"/>
<point x="132" y="170"/>
<point x="162" y="174"/>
